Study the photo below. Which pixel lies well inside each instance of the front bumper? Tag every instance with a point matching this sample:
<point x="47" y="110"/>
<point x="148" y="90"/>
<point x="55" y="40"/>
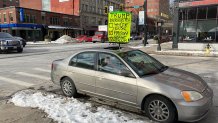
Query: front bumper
<point x="3" y="48"/>
<point x="195" y="111"/>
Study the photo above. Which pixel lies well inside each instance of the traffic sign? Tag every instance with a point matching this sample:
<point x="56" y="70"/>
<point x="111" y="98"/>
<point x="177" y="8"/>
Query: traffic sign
<point x="136" y="7"/>
<point x="111" y="8"/>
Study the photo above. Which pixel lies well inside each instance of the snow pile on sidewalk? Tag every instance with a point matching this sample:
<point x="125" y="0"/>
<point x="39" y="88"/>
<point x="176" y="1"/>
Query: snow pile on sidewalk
<point x="70" y="110"/>
<point x="64" y="39"/>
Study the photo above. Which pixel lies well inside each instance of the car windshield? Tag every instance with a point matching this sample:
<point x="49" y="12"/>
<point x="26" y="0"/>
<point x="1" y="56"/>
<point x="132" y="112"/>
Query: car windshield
<point x="5" y="35"/>
<point x="142" y="63"/>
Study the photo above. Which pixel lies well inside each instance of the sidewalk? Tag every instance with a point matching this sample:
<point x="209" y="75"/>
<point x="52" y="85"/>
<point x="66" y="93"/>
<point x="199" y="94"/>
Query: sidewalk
<point x="166" y="49"/>
<point x="44" y="42"/>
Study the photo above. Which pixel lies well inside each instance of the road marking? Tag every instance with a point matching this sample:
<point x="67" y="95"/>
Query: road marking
<point x="42" y="70"/>
<point x="33" y="75"/>
<point x="13" y="81"/>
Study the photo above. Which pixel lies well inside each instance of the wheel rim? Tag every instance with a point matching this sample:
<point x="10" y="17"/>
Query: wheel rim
<point x="158" y="110"/>
<point x="67" y="87"/>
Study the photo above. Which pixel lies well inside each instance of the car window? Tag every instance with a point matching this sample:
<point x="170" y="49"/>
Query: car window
<point x="84" y="60"/>
<point x="111" y="64"/>
<point x="142" y="63"/>
<point x="5" y="35"/>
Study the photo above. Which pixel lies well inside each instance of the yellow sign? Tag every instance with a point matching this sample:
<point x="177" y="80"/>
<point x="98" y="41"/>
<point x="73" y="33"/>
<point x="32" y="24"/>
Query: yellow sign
<point x="119" y="24"/>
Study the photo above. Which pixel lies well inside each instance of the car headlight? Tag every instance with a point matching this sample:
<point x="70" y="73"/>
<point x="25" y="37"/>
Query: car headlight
<point x="190" y="96"/>
<point x="3" y="42"/>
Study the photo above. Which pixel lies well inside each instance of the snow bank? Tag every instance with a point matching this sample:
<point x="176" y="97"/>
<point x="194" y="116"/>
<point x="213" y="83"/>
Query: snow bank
<point x="64" y="39"/>
<point x="70" y="110"/>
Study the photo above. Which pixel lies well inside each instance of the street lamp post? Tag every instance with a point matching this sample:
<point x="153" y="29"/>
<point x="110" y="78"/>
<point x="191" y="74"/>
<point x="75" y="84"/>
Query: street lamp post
<point x="159" y="25"/>
<point x="176" y="24"/>
<point x="145" y="23"/>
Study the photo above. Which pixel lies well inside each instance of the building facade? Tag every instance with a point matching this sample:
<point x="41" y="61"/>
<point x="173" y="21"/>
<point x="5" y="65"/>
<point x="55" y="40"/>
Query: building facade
<point x="157" y="10"/>
<point x="60" y="6"/>
<point x="33" y="4"/>
<point x="198" y="21"/>
<point x="33" y="24"/>
<point x="7" y="3"/>
<point x="92" y="13"/>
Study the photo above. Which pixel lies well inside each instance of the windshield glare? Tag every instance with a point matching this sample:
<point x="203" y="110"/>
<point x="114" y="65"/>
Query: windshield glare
<point x="5" y="35"/>
<point x="142" y="63"/>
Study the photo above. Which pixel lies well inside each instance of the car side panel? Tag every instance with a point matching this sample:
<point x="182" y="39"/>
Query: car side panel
<point x="116" y="87"/>
<point x="147" y="87"/>
<point x="84" y="79"/>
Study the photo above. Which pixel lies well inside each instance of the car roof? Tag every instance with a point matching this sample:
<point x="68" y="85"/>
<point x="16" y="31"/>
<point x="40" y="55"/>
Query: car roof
<point x="109" y="49"/>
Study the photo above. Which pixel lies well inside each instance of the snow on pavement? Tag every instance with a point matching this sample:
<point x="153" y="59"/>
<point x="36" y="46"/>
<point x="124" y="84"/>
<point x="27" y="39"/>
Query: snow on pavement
<point x="70" y="110"/>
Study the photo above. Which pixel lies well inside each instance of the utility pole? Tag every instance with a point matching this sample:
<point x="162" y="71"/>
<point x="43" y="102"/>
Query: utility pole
<point x="176" y="25"/>
<point x="145" y="23"/>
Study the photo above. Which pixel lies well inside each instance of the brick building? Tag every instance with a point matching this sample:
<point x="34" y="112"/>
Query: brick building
<point x="92" y="13"/>
<point x="33" y="4"/>
<point x="60" y="6"/>
<point x="7" y="3"/>
<point x="65" y="6"/>
<point x="35" y="24"/>
<point x="156" y="10"/>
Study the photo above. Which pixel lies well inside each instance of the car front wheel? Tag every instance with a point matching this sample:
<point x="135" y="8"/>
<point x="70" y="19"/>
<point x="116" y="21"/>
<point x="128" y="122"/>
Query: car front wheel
<point x="68" y="87"/>
<point x="160" y="109"/>
<point x="20" y="50"/>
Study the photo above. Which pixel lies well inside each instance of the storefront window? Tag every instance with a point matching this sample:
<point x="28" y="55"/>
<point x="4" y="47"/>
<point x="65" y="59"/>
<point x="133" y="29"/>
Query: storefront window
<point x="202" y="12"/>
<point x="192" y="13"/>
<point x="206" y="30"/>
<point x="188" y="31"/>
<point x="183" y="15"/>
<point x="212" y="12"/>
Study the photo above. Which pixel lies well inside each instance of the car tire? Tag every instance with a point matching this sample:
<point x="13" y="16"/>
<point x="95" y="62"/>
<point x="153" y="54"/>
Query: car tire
<point x="19" y="50"/>
<point x="160" y="109"/>
<point x="4" y="51"/>
<point x="68" y="87"/>
<point x="94" y="41"/>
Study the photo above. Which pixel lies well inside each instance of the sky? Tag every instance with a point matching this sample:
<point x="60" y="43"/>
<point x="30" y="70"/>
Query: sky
<point x="71" y="110"/>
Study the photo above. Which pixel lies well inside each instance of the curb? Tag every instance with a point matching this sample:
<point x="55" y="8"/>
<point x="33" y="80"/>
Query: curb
<point x="182" y="54"/>
<point x="47" y="43"/>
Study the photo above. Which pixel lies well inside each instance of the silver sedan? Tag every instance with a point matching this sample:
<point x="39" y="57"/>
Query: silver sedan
<point x="134" y="78"/>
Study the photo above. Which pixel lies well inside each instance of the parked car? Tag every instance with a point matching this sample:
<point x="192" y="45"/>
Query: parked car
<point x="22" y="40"/>
<point x="134" y="78"/>
<point x="84" y="38"/>
<point x="100" y="36"/>
<point x="8" y="42"/>
<point x="89" y="39"/>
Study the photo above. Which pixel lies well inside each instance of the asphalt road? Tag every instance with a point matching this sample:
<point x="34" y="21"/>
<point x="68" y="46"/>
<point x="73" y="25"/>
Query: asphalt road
<point x="32" y="69"/>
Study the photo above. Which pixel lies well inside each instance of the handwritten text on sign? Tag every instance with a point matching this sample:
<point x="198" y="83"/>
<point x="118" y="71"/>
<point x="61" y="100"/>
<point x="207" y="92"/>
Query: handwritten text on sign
<point x="119" y="24"/>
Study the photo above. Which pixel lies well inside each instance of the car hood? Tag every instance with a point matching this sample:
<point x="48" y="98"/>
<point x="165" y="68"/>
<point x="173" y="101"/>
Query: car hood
<point x="181" y="79"/>
<point x="8" y="39"/>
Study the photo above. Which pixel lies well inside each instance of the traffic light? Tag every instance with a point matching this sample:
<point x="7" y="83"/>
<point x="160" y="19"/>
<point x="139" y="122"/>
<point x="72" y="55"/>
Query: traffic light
<point x="121" y="7"/>
<point x="105" y="9"/>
